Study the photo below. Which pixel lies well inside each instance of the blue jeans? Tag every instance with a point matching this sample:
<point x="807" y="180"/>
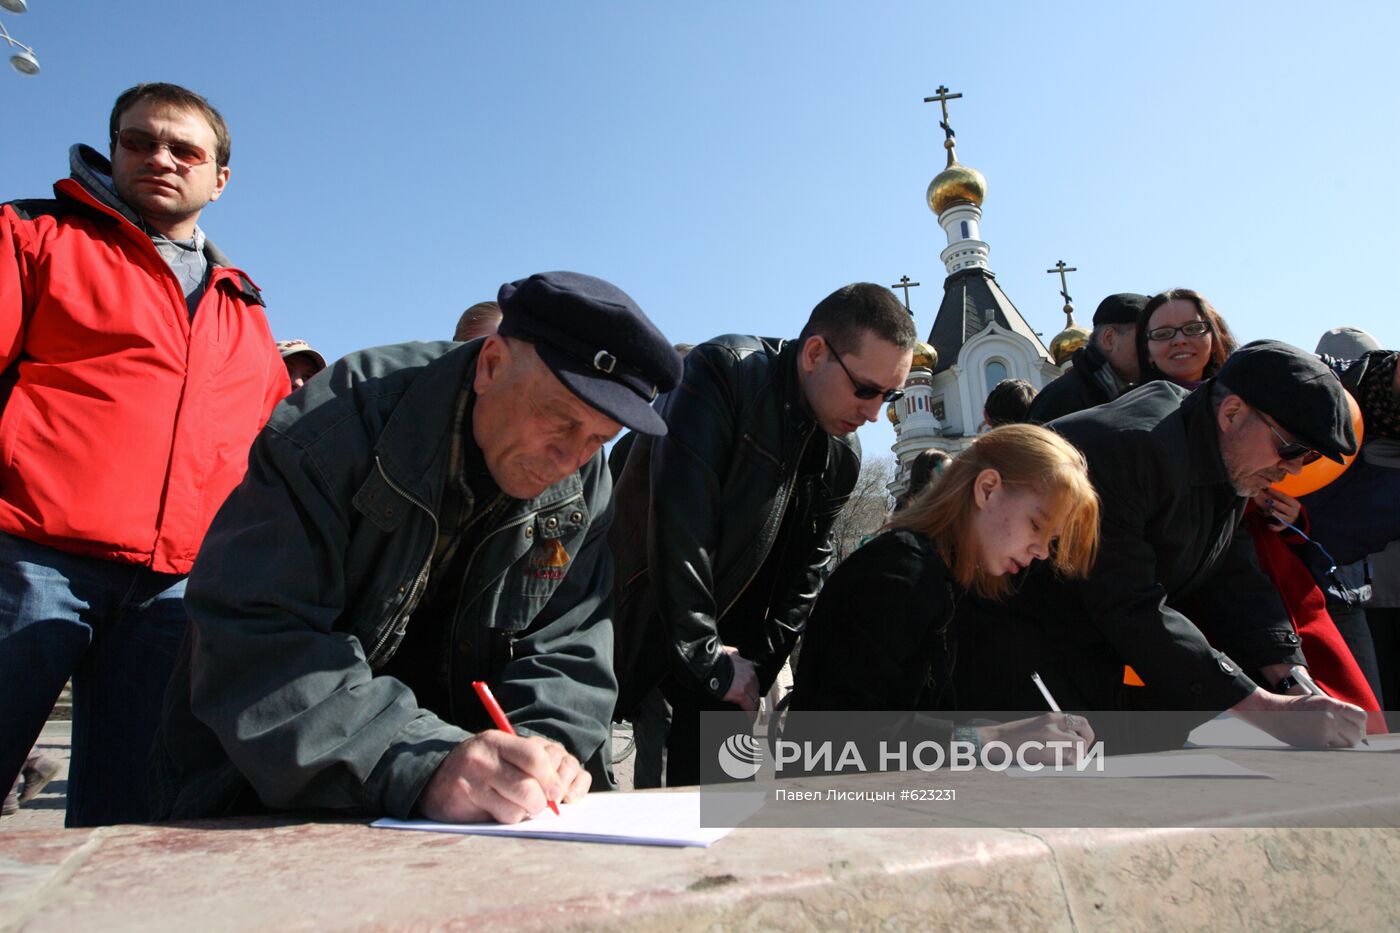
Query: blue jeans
<point x="113" y="628"/>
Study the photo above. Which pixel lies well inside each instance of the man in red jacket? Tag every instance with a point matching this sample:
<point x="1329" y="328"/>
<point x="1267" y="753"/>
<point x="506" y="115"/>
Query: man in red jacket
<point x="137" y="368"/>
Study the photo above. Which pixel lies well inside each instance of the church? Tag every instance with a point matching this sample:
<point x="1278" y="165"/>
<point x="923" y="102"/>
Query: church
<point x="978" y="337"/>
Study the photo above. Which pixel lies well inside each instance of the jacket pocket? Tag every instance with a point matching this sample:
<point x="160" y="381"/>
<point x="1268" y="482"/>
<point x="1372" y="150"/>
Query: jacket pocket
<point x="755" y="455"/>
<point x="554" y="538"/>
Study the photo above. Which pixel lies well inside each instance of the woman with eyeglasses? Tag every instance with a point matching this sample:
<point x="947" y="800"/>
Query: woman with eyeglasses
<point x="1182" y="338"/>
<point x="880" y="638"/>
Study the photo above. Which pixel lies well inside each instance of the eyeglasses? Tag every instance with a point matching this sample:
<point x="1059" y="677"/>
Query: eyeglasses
<point x="865" y="390"/>
<point x="139" y="143"/>
<point x="1292" y="450"/>
<point x="1189" y="329"/>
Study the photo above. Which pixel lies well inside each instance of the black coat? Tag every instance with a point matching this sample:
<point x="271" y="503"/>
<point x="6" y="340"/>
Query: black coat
<point x="879" y="637"/>
<point x="1170" y="539"/>
<point x="700" y="509"/>
<point x="1088" y="382"/>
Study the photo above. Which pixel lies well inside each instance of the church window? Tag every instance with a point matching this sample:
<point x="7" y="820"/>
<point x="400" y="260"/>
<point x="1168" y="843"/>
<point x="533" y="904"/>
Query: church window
<point x="996" y="372"/>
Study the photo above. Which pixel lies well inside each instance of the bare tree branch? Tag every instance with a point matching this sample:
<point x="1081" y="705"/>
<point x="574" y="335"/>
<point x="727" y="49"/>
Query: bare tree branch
<point x="867" y="509"/>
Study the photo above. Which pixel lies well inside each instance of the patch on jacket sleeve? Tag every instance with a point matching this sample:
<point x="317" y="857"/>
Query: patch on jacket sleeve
<point x="548" y="560"/>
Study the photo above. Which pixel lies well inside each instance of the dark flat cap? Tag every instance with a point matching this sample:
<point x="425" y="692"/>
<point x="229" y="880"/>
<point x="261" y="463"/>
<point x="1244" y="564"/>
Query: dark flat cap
<point x="596" y="341"/>
<point x="1297" y="390"/>
<point x="1122" y="308"/>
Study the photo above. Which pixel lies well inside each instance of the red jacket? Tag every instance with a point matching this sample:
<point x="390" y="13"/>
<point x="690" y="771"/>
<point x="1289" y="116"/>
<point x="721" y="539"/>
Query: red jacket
<point x="125" y="424"/>
<point x="1330" y="661"/>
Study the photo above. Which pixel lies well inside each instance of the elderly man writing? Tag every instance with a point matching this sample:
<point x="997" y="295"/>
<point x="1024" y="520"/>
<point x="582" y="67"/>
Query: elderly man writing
<point x="418" y="518"/>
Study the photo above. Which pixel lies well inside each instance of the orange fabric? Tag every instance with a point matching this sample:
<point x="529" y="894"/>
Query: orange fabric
<point x="125" y="425"/>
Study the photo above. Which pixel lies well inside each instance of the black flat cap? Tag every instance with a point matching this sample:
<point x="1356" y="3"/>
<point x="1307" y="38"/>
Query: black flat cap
<point x="1122" y="308"/>
<point x="596" y="341"/>
<point x="1297" y="390"/>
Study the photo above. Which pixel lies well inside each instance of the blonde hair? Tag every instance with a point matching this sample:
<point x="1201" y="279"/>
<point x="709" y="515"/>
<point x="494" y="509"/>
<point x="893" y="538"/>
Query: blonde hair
<point x="1028" y="458"/>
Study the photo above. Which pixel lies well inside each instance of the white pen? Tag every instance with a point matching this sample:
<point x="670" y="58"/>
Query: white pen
<point x="1301" y="675"/>
<point x="1045" y="692"/>
<point x="1305" y="680"/>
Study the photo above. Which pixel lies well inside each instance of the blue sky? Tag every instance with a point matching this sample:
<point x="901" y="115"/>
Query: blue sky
<point x="729" y="164"/>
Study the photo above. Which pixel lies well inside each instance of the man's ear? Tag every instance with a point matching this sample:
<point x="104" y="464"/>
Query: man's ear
<point x="812" y="354"/>
<point x="220" y="180"/>
<point x="1231" y="410"/>
<point x="986" y="483"/>
<point x="492" y="361"/>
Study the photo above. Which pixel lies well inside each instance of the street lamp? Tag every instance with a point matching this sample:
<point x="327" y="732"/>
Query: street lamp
<point x="22" y="61"/>
<point x="14" y="6"/>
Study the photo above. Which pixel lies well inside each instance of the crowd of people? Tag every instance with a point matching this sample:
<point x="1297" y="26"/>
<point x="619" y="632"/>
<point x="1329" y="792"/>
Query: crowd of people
<point x="274" y="582"/>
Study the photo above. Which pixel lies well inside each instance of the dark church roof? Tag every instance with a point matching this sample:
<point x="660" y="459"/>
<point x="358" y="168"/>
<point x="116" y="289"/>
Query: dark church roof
<point x="972" y="299"/>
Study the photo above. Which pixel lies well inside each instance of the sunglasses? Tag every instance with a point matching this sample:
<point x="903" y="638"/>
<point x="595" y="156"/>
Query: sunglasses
<point x="1189" y="329"/>
<point x="141" y="144"/>
<point x="864" y="390"/>
<point x="1292" y="450"/>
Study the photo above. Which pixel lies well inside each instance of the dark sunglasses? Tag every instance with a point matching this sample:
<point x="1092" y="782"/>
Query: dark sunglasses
<point x="865" y="390"/>
<point x="1189" y="329"/>
<point x="139" y="143"/>
<point x="1292" y="450"/>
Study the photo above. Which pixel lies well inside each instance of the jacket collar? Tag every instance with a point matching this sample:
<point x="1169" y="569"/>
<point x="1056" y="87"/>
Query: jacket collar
<point x="415" y="446"/>
<point x="789" y="378"/>
<point x="90" y="185"/>
<point x="1206" y="465"/>
<point x="1089" y="361"/>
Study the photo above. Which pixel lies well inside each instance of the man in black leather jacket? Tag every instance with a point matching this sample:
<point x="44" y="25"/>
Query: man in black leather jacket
<point x="723" y="526"/>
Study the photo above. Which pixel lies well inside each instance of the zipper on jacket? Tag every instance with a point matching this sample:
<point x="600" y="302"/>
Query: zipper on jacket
<point x="787" y="494"/>
<point x="420" y="581"/>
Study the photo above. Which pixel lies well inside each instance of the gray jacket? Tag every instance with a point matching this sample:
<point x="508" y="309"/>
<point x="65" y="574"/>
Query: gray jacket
<point x="309" y="578"/>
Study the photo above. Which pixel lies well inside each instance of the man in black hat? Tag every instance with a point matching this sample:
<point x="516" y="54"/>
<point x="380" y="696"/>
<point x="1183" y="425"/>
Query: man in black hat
<point x="1102" y="369"/>
<point x="1174" y="472"/>
<point x="418" y="518"/>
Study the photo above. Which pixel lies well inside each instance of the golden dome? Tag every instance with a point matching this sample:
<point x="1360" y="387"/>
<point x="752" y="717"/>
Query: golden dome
<point x="891" y="414"/>
<point x="954" y="184"/>
<point x="925" y="357"/>
<point x="1067" y="341"/>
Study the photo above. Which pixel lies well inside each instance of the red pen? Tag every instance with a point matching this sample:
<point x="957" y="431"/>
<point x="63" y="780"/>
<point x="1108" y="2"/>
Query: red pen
<point x="498" y="716"/>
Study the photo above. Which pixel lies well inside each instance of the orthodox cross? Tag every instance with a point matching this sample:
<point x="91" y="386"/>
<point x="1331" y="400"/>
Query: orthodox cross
<point x="1061" y="268"/>
<point x="942" y="97"/>
<point x="905" y="284"/>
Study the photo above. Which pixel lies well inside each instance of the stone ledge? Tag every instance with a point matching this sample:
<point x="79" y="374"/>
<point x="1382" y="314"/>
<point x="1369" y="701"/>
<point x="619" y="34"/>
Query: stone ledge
<point x="251" y="874"/>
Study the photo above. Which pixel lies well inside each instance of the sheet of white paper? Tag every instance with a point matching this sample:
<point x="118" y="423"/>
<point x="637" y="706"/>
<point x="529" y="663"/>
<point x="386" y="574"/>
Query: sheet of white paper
<point x="1226" y="731"/>
<point x="648" y="819"/>
<point x="1151" y="766"/>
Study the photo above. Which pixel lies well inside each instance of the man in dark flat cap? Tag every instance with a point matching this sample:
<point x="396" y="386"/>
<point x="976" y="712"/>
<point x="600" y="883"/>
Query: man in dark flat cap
<point x="1174" y="471"/>
<point x="1102" y="369"/>
<point x="417" y="518"/>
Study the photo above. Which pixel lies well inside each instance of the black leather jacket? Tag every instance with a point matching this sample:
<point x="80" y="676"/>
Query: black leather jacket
<point x="699" y="511"/>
